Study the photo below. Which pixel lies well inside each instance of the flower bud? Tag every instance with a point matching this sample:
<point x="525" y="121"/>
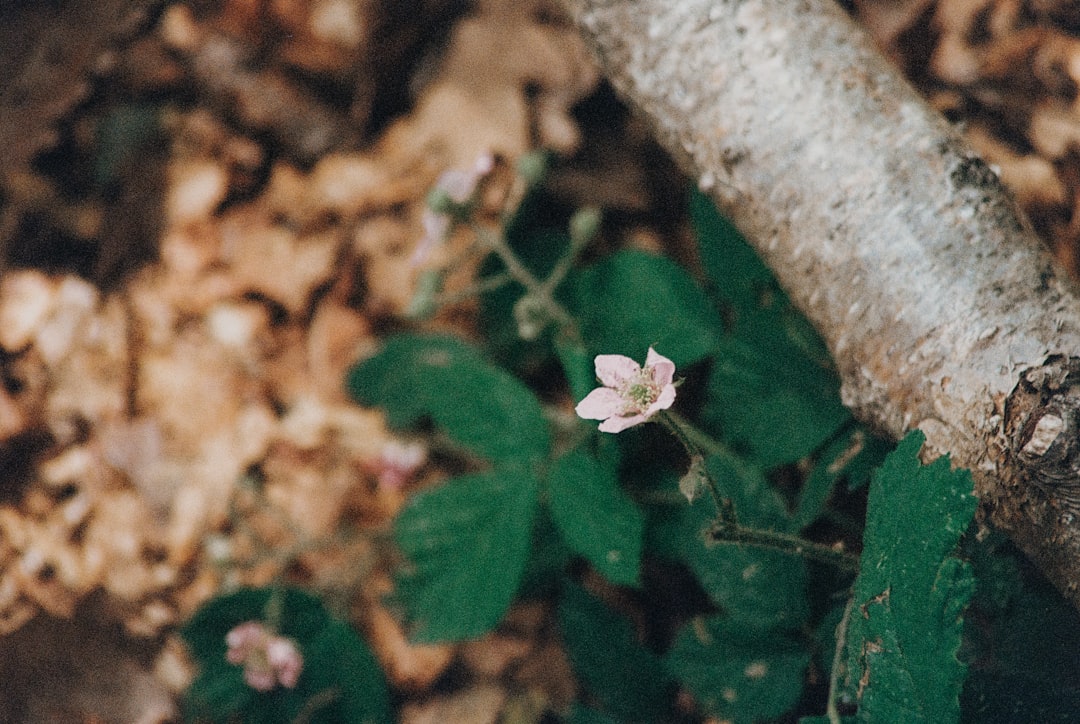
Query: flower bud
<point x="532" y="317"/>
<point x="423" y="303"/>
<point x="584" y="225"/>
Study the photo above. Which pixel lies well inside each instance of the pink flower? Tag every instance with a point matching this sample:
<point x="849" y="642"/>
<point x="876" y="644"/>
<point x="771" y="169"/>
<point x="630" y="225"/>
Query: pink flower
<point x="398" y="462"/>
<point x="268" y="660"/>
<point x="454" y="188"/>
<point x="631" y="394"/>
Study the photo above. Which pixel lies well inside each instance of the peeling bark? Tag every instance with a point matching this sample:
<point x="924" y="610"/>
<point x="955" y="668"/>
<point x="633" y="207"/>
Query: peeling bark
<point x="939" y="304"/>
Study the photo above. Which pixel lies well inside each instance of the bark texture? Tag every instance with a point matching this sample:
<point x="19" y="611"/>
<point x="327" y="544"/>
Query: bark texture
<point x="940" y="305"/>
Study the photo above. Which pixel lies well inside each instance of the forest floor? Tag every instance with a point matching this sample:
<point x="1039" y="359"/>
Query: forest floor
<point x="209" y="220"/>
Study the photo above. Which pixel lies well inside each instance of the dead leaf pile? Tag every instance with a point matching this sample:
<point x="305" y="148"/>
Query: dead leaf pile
<point x="187" y="431"/>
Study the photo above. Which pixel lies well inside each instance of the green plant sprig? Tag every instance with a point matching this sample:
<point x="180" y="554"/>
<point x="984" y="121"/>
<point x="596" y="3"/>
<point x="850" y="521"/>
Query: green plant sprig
<point x="727" y="528"/>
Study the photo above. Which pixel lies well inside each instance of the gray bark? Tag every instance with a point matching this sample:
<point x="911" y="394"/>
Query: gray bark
<point x="939" y="304"/>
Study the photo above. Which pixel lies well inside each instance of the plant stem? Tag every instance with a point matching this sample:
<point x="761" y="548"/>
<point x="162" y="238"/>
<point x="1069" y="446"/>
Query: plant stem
<point x="784" y="543"/>
<point x="679" y="428"/>
<point x="700" y="439"/>
<point x="541" y="291"/>
<point x="834" y="676"/>
<point x="728" y="530"/>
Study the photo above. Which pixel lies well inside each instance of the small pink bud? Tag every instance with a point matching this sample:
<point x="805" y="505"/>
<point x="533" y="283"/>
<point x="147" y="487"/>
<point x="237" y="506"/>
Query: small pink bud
<point x="268" y="659"/>
<point x="452" y="191"/>
<point x="398" y="462"/>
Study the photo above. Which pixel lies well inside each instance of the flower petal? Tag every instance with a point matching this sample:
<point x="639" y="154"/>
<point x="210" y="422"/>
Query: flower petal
<point x="600" y="404"/>
<point x="663" y="369"/>
<point x="663" y="402"/>
<point x="614" y="369"/>
<point x="435" y="228"/>
<point x="618" y="424"/>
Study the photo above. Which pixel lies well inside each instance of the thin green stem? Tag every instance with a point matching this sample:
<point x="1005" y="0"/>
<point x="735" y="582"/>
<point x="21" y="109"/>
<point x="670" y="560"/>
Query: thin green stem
<point x="785" y="543"/>
<point x="676" y="426"/>
<point x="727" y="529"/>
<point x="482" y="286"/>
<point x="700" y="438"/>
<point x="831" y="711"/>
<point x="539" y="290"/>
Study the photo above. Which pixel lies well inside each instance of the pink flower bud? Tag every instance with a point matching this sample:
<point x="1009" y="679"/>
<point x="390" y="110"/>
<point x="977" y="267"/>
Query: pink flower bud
<point x="268" y="659"/>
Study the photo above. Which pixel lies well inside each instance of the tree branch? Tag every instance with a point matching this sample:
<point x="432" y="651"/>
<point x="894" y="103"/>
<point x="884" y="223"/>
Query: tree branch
<point x="941" y="307"/>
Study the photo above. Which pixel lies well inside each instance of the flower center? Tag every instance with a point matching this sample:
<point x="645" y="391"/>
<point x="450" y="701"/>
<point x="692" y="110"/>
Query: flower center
<point x="641" y="392"/>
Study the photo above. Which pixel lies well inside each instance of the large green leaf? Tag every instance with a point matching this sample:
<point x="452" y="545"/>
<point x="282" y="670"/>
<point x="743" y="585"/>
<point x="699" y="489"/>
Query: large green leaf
<point x="773" y="390"/>
<point x="626" y="679"/>
<point x="772" y="400"/>
<point x="853" y="455"/>
<point x="632" y="300"/>
<point x="466" y="543"/>
<point x="597" y="520"/>
<point x="476" y="404"/>
<point x="906" y="624"/>
<point x="739" y="672"/>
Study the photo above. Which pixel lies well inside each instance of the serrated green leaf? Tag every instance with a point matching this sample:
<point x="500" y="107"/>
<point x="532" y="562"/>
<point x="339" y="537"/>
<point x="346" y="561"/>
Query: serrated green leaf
<point x="625" y="678"/>
<point x="597" y="520"/>
<point x="910" y="594"/>
<point x="739" y="672"/>
<point x="335" y="658"/>
<point x="633" y="300"/>
<point x="476" y="404"/>
<point x="465" y="543"/>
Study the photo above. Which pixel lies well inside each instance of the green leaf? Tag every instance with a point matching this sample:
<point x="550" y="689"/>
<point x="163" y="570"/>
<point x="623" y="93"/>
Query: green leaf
<point x="756" y="308"/>
<point x="757" y="504"/>
<point x="852" y="455"/>
<point x="739" y="672"/>
<point x="343" y="663"/>
<point x="729" y="261"/>
<point x="633" y="300"/>
<point x="466" y="543"/>
<point x="596" y="518"/>
<point x="776" y="403"/>
<point x="476" y="404"/>
<point x="1022" y="637"/>
<point x="773" y="390"/>
<point x="626" y="679"/>
<point x="548" y="558"/>
<point x="577" y="365"/>
<point x="754" y="587"/>
<point x="905" y="628"/>
<point x="335" y="658"/>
